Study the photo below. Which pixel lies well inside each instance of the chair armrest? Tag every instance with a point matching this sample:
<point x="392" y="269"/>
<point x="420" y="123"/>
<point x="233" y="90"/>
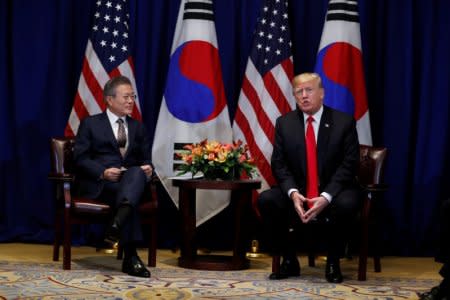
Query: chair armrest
<point x="63" y="183"/>
<point x="67" y="195"/>
<point x="61" y="177"/>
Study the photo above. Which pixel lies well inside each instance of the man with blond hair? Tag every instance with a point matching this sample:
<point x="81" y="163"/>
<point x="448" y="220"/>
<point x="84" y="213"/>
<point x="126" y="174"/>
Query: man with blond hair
<point x="314" y="160"/>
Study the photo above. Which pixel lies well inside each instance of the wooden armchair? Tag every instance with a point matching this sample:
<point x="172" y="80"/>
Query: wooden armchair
<point x="370" y="174"/>
<point x="76" y="210"/>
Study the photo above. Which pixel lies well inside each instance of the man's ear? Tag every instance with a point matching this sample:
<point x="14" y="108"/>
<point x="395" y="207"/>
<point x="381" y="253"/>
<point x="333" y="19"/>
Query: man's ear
<point x="108" y="100"/>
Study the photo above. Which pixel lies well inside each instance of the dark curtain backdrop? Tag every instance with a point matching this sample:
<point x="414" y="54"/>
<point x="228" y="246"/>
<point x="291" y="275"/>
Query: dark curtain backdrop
<point x="406" y="50"/>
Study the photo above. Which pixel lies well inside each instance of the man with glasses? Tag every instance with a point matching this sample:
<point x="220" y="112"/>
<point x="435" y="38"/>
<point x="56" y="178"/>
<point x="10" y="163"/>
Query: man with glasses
<point x="314" y="161"/>
<point x="112" y="157"/>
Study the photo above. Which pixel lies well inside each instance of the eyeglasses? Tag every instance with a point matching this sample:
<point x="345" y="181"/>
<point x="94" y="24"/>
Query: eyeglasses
<point x="127" y="97"/>
<point x="299" y="92"/>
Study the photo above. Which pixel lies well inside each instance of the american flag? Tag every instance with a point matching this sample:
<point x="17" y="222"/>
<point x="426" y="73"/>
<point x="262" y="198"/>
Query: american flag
<point x="266" y="89"/>
<point x="107" y="55"/>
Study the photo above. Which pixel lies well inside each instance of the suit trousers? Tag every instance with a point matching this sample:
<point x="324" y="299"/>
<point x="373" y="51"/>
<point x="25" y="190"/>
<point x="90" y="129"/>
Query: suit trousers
<point x="127" y="191"/>
<point x="279" y="216"/>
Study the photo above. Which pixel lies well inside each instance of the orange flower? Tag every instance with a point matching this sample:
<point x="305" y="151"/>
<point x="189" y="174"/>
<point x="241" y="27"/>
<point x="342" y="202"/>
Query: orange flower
<point x="217" y="160"/>
<point x="227" y="147"/>
<point x="188" y="158"/>
<point x="197" y="151"/>
<point x="222" y="155"/>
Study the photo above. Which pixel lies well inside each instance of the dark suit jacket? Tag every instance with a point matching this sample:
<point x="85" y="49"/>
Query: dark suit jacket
<point x="96" y="149"/>
<point x="337" y="152"/>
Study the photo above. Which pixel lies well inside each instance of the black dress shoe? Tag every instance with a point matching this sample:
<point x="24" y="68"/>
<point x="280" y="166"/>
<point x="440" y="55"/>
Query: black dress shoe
<point x="112" y="235"/>
<point x="289" y="268"/>
<point x="433" y="294"/>
<point x="333" y="272"/>
<point x="134" y="266"/>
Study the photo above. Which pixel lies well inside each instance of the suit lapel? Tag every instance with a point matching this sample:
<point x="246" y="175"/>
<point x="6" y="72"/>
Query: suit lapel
<point x="108" y="131"/>
<point x="300" y="140"/>
<point x="325" y="125"/>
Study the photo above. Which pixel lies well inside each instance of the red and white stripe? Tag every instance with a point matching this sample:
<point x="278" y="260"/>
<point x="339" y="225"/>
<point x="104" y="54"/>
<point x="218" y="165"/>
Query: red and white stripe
<point x="262" y="100"/>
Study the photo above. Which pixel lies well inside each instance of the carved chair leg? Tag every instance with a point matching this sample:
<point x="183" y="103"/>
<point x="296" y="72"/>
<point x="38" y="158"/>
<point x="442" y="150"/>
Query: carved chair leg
<point x="119" y="251"/>
<point x="152" y="246"/>
<point x="276" y="263"/>
<point x="377" y="263"/>
<point x="58" y="237"/>
<point x="311" y="259"/>
<point x="311" y="249"/>
<point x="67" y="243"/>
<point x="363" y="251"/>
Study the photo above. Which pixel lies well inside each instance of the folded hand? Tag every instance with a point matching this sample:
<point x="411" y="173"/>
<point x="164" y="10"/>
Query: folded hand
<point x="299" y="201"/>
<point x="147" y="170"/>
<point x="318" y="204"/>
<point x="112" y="174"/>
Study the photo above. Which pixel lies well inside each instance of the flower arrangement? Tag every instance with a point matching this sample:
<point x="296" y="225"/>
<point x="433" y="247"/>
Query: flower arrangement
<point x="217" y="160"/>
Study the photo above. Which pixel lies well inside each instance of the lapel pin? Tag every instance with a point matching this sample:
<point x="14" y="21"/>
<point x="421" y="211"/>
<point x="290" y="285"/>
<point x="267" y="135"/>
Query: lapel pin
<point x="327" y="125"/>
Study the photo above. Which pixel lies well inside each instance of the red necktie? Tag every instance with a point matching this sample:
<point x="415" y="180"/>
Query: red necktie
<point x="312" y="186"/>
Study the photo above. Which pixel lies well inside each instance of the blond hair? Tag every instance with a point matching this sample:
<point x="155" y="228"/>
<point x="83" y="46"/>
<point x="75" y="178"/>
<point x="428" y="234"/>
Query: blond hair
<point x="305" y="77"/>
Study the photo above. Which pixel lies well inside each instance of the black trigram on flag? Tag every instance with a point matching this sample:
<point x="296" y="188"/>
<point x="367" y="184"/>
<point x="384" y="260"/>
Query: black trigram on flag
<point x="343" y="10"/>
<point x="202" y="10"/>
<point x="178" y="150"/>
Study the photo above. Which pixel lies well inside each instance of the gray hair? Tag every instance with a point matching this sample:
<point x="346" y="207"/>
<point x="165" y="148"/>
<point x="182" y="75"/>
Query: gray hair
<point x="113" y="83"/>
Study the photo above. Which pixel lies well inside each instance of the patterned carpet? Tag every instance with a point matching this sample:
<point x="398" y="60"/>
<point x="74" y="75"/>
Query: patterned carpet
<point x="91" y="279"/>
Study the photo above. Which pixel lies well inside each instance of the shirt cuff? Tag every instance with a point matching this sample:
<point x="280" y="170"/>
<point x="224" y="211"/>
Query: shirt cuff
<point x="290" y="191"/>
<point x="327" y="196"/>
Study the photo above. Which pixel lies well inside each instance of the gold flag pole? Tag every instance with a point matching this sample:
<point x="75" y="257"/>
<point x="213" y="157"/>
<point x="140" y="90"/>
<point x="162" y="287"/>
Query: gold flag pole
<point x="254" y="250"/>
<point x="108" y="250"/>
